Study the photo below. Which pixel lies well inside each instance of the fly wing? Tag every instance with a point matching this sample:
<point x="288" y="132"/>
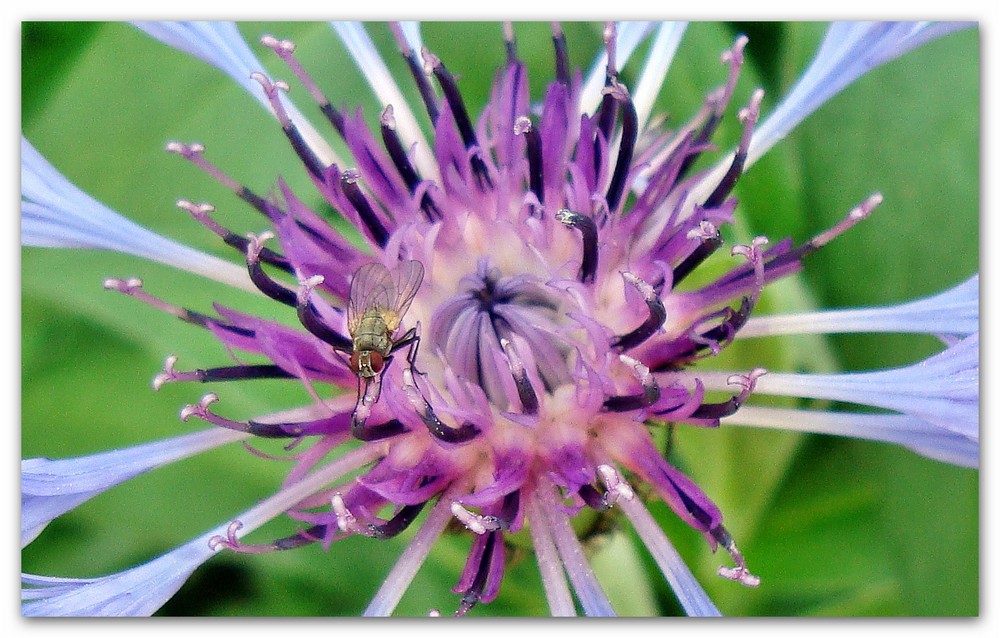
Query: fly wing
<point x="406" y="278"/>
<point x="372" y="289"/>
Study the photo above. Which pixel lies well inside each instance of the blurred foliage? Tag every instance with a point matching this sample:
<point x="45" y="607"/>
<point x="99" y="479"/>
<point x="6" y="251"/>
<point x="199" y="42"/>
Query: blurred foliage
<point x="834" y="527"/>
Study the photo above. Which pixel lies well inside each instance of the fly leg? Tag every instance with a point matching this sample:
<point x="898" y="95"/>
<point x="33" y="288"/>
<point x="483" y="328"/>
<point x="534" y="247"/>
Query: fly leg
<point x="369" y="389"/>
<point x="412" y="339"/>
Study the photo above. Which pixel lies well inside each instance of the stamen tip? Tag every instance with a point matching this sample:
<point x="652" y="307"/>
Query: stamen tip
<point x="388" y="119"/>
<point x="740" y="575"/>
<point x="431" y="61"/>
<point x="187" y="150"/>
<point x="123" y="285"/>
<point x="279" y="46"/>
<point x="870" y="204"/>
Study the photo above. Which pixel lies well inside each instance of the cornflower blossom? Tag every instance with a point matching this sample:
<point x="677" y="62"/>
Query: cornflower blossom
<point x="510" y="323"/>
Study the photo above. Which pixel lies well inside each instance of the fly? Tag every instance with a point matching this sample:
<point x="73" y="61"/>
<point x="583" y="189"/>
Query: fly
<point x="378" y="300"/>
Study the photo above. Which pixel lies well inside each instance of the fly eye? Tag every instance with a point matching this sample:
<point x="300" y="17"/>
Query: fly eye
<point x="377" y="361"/>
<point x="354" y="363"/>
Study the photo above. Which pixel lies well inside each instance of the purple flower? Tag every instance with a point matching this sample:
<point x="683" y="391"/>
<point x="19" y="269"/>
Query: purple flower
<point x="512" y="323"/>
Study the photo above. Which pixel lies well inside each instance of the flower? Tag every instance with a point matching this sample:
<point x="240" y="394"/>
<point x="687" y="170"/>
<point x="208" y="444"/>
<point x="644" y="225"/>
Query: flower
<point x="526" y="302"/>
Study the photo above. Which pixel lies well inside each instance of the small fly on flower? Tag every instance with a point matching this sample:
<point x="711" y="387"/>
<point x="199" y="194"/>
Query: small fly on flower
<point x="379" y="298"/>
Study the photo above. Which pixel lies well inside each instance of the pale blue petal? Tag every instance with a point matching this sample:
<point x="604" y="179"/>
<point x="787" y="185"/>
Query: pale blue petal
<point x="142" y="590"/>
<point x="368" y="60"/>
<point x="557" y="593"/>
<point x="139" y="591"/>
<point x="50" y="488"/>
<point x="848" y="51"/>
<point x="221" y="45"/>
<point x="901" y="429"/>
<point x="685" y="586"/>
<point x="588" y="591"/>
<point x="217" y="43"/>
<point x="942" y="390"/>
<point x="411" y="33"/>
<point x="396" y="583"/>
<point x="630" y="34"/>
<point x="952" y="313"/>
<point x="661" y="55"/>
<point x="57" y="214"/>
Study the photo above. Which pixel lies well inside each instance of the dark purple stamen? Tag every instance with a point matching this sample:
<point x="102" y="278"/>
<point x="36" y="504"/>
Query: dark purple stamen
<point x="533" y="148"/>
<point x="268" y="286"/>
<point x="701" y="141"/>
<point x="704" y="250"/>
<point x="363" y="432"/>
<point x="413" y="62"/>
<point x="397" y="153"/>
<point x="748" y="116"/>
<point x="588" y="232"/>
<point x="608" y="110"/>
<point x="461" y="116"/>
<point x="133" y="288"/>
<point x="741" y="574"/>
<point x="728" y="329"/>
<point x="475" y="591"/>
<point x="333" y="116"/>
<point x="265" y="430"/>
<point x="728" y="181"/>
<point x="692" y="506"/>
<point x="562" y="57"/>
<point x="509" y="508"/>
<point x="526" y="393"/>
<point x="715" y="411"/>
<point x="312" y="322"/>
<point x="445" y="433"/>
<point x="781" y="257"/>
<point x="593" y="497"/>
<point x="201" y="213"/>
<point x="266" y="255"/>
<point x="274" y="430"/>
<point x="349" y="184"/>
<point x="607" y="113"/>
<point x="237" y="373"/>
<point x="650" y="390"/>
<point x="510" y="43"/>
<point x="306" y="155"/>
<point x="398" y="523"/>
<point x="630" y="133"/>
<point x="650" y="394"/>
<point x="657" y="315"/>
<point x="721" y="334"/>
<point x="302" y="538"/>
<point x="255" y="200"/>
<point x="424" y="86"/>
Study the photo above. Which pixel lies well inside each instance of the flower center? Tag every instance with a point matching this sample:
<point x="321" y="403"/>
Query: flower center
<point x="474" y="329"/>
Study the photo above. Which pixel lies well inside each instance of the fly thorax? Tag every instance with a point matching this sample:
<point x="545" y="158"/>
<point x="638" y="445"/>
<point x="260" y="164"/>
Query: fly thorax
<point x="372" y="334"/>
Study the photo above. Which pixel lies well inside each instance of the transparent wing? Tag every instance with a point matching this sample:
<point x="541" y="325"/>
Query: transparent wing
<point x="372" y="289"/>
<point x="406" y="278"/>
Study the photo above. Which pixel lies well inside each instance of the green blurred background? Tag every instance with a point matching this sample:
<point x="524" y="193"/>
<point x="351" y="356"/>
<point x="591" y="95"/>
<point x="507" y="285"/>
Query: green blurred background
<point x="832" y="526"/>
